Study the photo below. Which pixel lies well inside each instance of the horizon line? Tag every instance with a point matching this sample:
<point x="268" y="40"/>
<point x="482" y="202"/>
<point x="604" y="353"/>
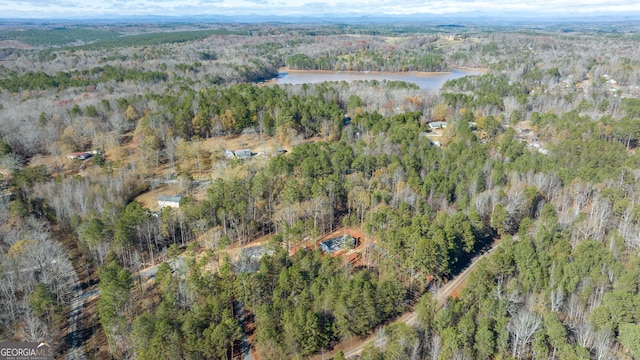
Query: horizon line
<point x="484" y="16"/>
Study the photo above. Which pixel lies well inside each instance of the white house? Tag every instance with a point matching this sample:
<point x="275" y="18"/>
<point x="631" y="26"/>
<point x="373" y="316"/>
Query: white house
<point x="169" y="201"/>
<point x="437" y="125"/>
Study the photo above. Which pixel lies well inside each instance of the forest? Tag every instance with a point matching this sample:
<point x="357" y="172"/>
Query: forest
<point x="531" y="184"/>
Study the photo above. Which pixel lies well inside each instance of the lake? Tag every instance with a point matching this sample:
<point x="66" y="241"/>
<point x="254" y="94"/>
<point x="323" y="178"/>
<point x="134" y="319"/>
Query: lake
<point x="426" y="81"/>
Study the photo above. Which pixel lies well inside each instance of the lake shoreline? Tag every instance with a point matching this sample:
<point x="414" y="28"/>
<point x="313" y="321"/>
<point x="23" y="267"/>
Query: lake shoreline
<point x="372" y="72"/>
<point x="425" y="80"/>
<point x="466" y="68"/>
<point x="376" y="72"/>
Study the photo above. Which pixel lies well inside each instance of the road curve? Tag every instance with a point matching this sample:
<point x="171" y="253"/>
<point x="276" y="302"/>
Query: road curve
<point x="441" y="297"/>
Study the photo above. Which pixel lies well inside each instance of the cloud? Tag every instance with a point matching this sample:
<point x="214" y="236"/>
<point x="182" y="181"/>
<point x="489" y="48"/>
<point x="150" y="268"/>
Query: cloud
<point x="53" y="8"/>
<point x="208" y="2"/>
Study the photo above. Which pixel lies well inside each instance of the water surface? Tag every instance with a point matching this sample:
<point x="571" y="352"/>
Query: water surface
<point x="426" y="81"/>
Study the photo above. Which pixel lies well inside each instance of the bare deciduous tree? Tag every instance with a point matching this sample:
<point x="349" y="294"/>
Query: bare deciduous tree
<point x="522" y="327"/>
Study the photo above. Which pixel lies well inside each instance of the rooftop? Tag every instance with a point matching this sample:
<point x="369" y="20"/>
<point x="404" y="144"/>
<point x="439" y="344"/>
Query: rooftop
<point x="337" y="243"/>
<point x="174" y="198"/>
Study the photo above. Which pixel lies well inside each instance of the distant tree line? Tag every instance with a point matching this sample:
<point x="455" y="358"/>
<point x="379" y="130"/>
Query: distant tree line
<point x="41" y="80"/>
<point x="369" y="61"/>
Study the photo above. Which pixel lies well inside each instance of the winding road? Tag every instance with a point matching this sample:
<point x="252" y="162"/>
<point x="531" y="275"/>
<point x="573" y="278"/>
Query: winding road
<point x="75" y="330"/>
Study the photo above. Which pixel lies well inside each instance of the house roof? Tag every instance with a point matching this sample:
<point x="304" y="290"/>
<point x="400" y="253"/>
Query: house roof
<point x="80" y="153"/>
<point x="174" y="198"/>
<point x="437" y="124"/>
<point x="249" y="260"/>
<point x="337" y="243"/>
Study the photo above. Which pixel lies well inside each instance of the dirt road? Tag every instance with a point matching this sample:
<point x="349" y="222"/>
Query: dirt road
<point x="74" y="329"/>
<point x="245" y="345"/>
<point x="441" y="297"/>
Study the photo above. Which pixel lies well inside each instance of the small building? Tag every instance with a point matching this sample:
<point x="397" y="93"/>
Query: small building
<point x="338" y="243"/>
<point x="249" y="260"/>
<point x="437" y="125"/>
<point x="243" y="154"/>
<point x="169" y="201"/>
<point x="240" y="154"/>
<point x="79" y="155"/>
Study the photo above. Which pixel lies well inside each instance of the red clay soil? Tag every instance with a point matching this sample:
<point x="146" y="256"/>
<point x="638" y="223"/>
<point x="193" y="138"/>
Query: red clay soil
<point x="342" y="345"/>
<point x="350" y="255"/>
<point x="353" y="231"/>
<point x="353" y="256"/>
<point x="458" y="289"/>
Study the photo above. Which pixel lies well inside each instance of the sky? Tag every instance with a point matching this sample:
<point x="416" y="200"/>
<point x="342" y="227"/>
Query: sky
<point x="97" y="8"/>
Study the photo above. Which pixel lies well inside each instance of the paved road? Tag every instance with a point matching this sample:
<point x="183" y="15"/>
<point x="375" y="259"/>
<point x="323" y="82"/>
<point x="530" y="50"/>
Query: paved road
<point x="441" y="297"/>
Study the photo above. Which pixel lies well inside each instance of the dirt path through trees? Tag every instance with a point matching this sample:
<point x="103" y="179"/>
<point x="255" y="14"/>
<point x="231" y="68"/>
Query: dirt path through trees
<point x="410" y="318"/>
<point x="79" y="278"/>
<point x="75" y="331"/>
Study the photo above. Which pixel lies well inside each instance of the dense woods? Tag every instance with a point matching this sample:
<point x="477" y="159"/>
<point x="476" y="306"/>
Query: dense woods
<point x="42" y="81"/>
<point x="536" y="171"/>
